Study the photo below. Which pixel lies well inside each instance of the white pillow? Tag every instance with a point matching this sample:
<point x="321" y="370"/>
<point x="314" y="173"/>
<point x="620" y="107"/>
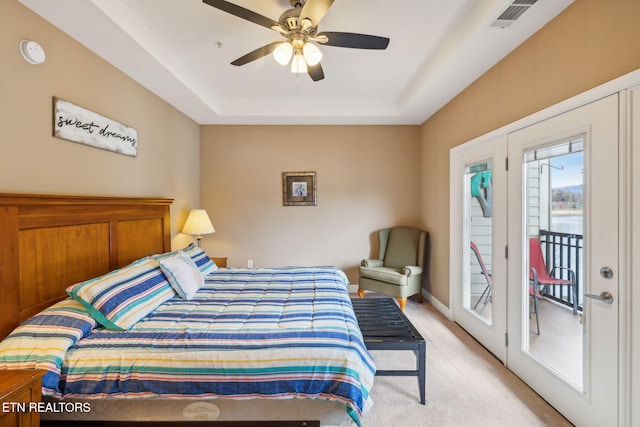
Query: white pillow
<point x="183" y="274"/>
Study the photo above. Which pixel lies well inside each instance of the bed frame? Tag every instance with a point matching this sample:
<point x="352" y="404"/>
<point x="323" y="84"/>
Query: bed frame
<point x="48" y="243"/>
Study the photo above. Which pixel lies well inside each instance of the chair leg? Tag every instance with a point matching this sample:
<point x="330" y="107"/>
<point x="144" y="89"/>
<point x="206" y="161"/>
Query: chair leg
<point x="535" y="308"/>
<point x="420" y="297"/>
<point x="361" y="292"/>
<point x="485" y="295"/>
<point x="402" y="302"/>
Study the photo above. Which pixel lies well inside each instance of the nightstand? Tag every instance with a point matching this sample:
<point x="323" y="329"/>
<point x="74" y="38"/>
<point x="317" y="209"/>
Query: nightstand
<point x="17" y="389"/>
<point x="220" y="262"/>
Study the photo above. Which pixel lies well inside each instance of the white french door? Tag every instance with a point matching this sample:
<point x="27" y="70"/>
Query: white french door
<point x="573" y="361"/>
<point x="478" y="270"/>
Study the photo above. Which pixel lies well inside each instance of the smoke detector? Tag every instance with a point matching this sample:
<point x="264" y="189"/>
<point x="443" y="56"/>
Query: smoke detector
<point x="32" y="52"/>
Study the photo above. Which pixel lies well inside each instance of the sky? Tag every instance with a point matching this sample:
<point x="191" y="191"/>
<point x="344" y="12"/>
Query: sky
<point x="571" y="174"/>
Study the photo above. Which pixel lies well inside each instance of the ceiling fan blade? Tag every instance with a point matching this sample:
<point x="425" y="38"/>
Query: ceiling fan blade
<point x="256" y="54"/>
<point x="243" y="13"/>
<point x="353" y="40"/>
<point x="315" y="72"/>
<point x="314" y="10"/>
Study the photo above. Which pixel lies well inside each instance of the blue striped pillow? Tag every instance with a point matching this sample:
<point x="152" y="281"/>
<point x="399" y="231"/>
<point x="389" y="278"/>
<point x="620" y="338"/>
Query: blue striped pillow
<point x="120" y="298"/>
<point x="202" y="260"/>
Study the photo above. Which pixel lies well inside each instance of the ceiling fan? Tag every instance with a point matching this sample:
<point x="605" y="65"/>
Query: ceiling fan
<point x="299" y="26"/>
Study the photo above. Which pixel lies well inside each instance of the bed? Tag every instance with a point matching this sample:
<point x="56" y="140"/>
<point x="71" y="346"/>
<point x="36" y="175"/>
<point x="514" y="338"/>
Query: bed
<point x="251" y="344"/>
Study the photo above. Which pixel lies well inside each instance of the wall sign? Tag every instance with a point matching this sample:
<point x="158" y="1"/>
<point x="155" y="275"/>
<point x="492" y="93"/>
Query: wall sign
<point x="80" y="125"/>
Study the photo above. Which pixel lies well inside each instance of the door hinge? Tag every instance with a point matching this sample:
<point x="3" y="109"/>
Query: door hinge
<point x="506" y="163"/>
<point x="506" y="339"/>
<point x="506" y="252"/>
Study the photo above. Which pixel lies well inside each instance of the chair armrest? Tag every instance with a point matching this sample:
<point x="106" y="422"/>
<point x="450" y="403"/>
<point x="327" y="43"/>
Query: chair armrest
<point x="371" y="263"/>
<point x="411" y="269"/>
<point x="572" y="274"/>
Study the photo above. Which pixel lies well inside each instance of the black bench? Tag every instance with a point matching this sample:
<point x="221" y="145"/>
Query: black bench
<point x="385" y="327"/>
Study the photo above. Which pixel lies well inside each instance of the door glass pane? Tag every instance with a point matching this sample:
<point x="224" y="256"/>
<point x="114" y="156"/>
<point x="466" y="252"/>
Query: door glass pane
<point x="554" y="177"/>
<point x="478" y="284"/>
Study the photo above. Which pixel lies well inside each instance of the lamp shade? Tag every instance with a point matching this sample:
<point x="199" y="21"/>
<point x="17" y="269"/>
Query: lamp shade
<point x="311" y="54"/>
<point x="298" y="64"/>
<point x="198" y="223"/>
<point x="282" y="53"/>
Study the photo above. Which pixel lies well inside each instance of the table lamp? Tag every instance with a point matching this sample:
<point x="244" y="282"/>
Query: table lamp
<point x="197" y="224"/>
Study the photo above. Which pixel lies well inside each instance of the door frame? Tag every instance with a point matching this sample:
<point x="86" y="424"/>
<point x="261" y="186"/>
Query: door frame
<point x="629" y="338"/>
<point x="631" y="386"/>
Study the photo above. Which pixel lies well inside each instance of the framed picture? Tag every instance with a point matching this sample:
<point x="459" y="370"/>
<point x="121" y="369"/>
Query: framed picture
<point x="299" y="188"/>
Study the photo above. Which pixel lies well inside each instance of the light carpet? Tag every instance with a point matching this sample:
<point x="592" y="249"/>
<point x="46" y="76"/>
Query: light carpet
<point x="466" y="385"/>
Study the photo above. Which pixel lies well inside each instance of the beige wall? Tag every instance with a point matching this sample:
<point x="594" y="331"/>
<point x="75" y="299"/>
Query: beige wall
<point x="367" y="179"/>
<point x="590" y="43"/>
<point x="32" y="161"/>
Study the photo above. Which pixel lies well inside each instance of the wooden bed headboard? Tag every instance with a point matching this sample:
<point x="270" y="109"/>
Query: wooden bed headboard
<point x="48" y="243"/>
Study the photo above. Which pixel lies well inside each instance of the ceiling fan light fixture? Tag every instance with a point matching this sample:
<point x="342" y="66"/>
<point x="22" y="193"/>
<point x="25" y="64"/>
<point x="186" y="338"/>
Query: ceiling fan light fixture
<point x="298" y="26"/>
<point x="312" y="54"/>
<point x="282" y="53"/>
<point x="298" y="64"/>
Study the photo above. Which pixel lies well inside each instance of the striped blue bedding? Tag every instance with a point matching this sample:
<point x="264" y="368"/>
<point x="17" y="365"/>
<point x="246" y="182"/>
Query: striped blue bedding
<point x="268" y="333"/>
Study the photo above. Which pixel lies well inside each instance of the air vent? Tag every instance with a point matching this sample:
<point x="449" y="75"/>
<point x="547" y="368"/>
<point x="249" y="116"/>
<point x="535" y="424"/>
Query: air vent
<point x="514" y="11"/>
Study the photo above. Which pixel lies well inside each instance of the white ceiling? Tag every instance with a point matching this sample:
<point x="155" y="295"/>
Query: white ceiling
<point x="182" y="49"/>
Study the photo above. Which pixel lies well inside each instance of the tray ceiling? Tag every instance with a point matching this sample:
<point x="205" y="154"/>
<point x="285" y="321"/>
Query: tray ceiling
<point x="182" y="49"/>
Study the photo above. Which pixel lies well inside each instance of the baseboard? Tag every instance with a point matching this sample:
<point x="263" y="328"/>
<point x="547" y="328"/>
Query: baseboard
<point x="446" y="311"/>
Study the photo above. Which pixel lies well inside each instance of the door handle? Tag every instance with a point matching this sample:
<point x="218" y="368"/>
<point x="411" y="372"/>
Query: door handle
<point x="605" y="297"/>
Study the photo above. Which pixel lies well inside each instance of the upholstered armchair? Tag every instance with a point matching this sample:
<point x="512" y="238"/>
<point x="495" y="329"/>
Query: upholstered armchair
<point x="398" y="271"/>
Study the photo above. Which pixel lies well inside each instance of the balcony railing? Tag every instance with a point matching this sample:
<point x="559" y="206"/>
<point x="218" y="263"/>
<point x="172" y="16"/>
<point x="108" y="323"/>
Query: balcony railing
<point x="563" y="250"/>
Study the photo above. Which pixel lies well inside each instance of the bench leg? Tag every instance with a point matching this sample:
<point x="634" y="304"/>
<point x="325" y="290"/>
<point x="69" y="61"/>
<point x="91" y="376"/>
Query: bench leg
<point x="422" y="367"/>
